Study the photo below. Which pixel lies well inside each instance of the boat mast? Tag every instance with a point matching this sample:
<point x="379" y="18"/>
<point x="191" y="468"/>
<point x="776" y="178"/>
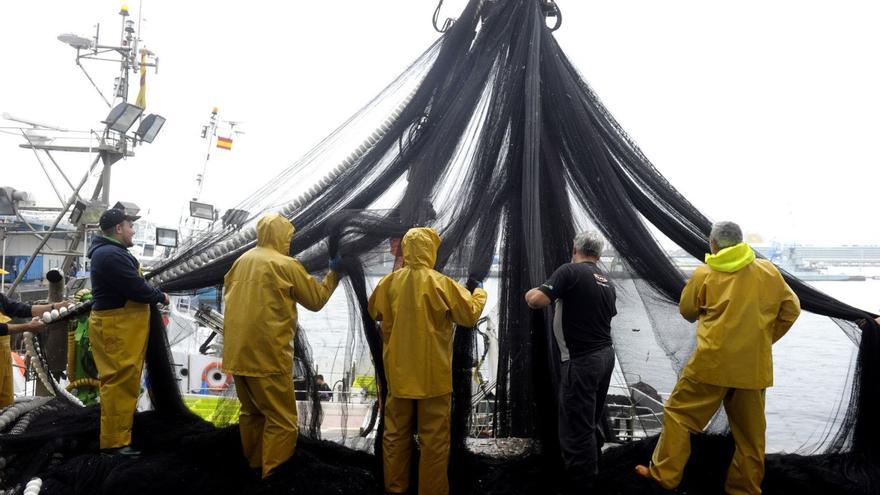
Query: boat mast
<point x="115" y="142"/>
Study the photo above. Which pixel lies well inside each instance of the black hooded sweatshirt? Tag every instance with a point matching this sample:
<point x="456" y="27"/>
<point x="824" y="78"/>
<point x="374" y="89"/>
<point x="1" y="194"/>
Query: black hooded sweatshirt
<point x="116" y="277"/>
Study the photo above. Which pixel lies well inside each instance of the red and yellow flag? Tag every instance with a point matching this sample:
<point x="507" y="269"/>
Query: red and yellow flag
<point x="141" y="100"/>
<point x="224" y="143"/>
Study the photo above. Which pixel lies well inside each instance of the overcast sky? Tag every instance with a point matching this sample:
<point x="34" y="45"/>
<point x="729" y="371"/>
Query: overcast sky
<point x="765" y="113"/>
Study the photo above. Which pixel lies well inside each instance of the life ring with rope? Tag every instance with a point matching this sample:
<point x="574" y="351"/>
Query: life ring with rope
<point x="213" y="378"/>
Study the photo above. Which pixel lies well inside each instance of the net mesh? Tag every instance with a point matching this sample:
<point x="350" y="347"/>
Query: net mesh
<point x="493" y="138"/>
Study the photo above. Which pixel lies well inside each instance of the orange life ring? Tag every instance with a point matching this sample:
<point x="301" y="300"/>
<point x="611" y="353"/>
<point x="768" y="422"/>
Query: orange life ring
<point x="207" y="373"/>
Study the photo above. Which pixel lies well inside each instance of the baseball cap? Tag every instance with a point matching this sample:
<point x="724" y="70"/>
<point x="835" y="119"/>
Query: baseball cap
<point x="113" y="217"/>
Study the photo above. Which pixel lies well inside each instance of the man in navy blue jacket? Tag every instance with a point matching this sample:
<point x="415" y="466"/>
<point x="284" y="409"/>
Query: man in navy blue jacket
<point x="119" y="327"/>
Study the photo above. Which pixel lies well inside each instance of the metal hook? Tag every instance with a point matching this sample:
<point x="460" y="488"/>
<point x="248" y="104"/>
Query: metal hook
<point x="551" y="9"/>
<point x="446" y="24"/>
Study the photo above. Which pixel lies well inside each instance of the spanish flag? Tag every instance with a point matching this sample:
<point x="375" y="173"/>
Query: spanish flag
<point x="225" y="143"/>
<point x="142" y="93"/>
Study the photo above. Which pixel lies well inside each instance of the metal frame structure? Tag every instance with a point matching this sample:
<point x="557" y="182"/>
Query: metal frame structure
<point x="112" y="144"/>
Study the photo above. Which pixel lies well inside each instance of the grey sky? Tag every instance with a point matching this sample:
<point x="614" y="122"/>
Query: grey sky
<point x="760" y="112"/>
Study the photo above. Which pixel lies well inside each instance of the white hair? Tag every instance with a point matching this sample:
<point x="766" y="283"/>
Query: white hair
<point x="726" y="234"/>
<point x="589" y="243"/>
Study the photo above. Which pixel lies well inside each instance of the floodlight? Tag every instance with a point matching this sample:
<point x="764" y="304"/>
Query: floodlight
<point x="166" y="237"/>
<point x="75" y="41"/>
<point x="201" y="210"/>
<point x="34" y="137"/>
<point x="78" y="209"/>
<point x="123" y="116"/>
<point x="86" y="212"/>
<point x="130" y="209"/>
<point x="149" y="127"/>
<point x="8" y="198"/>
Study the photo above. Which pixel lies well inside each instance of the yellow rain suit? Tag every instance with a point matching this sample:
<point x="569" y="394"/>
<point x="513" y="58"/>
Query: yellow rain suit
<point x="261" y="292"/>
<point x="418" y="307"/>
<point x="743" y="306"/>
<point x="7" y="396"/>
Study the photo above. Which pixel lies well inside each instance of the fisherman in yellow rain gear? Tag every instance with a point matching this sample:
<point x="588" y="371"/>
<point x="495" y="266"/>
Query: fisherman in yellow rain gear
<point x="743" y="306"/>
<point x="261" y="292"/>
<point x="417" y="307"/>
<point x="8" y="309"/>
<point x="119" y="327"/>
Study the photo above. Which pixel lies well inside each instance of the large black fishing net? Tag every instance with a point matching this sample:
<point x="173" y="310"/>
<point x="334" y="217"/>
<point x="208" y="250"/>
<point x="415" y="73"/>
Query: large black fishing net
<point x="493" y="138"/>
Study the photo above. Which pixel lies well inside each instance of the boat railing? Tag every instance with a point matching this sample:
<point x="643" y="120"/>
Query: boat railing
<point x="640" y="418"/>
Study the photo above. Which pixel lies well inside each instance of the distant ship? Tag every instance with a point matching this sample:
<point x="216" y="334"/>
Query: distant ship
<point x="786" y="258"/>
<point x="790" y="260"/>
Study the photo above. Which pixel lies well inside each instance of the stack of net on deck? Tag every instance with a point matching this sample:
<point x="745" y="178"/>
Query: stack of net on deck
<point x="494" y="139"/>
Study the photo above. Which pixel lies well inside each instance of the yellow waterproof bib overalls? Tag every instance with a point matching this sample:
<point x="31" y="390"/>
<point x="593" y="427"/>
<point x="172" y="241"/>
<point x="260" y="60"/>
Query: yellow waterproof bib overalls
<point x="6" y="391"/>
<point x="119" y="343"/>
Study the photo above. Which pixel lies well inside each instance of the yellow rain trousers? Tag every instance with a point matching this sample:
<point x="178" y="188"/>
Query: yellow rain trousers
<point x="742" y="306"/>
<point x="418" y="307"/>
<point x="268" y="411"/>
<point x="119" y="343"/>
<point x="7" y="393"/>
<point x="432" y="417"/>
<point x="261" y="292"/>
<point x="688" y="410"/>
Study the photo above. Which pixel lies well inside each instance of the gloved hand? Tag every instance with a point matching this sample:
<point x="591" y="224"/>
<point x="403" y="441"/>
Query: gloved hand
<point x="334" y="263"/>
<point x="473" y="283"/>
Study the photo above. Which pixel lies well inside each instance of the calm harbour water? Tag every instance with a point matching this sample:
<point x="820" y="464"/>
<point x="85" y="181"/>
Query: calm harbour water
<point x="813" y="362"/>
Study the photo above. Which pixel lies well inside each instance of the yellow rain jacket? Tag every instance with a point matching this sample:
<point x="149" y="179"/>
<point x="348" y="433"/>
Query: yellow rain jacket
<point x="418" y="307"/>
<point x="261" y="292"/>
<point x="743" y="306"/>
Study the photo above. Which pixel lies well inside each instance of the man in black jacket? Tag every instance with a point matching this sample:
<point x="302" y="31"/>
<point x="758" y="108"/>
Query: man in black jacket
<point x="119" y="327"/>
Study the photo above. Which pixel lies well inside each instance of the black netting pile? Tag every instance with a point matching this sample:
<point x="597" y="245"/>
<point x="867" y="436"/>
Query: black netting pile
<point x="495" y="140"/>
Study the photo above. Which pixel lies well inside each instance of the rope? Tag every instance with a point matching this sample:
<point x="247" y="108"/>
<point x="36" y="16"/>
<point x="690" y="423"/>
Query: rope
<point x="71" y="353"/>
<point x="19" y="409"/>
<point x="33" y="486"/>
<point x="83" y="382"/>
<point x="48" y="381"/>
<point x="22" y="424"/>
